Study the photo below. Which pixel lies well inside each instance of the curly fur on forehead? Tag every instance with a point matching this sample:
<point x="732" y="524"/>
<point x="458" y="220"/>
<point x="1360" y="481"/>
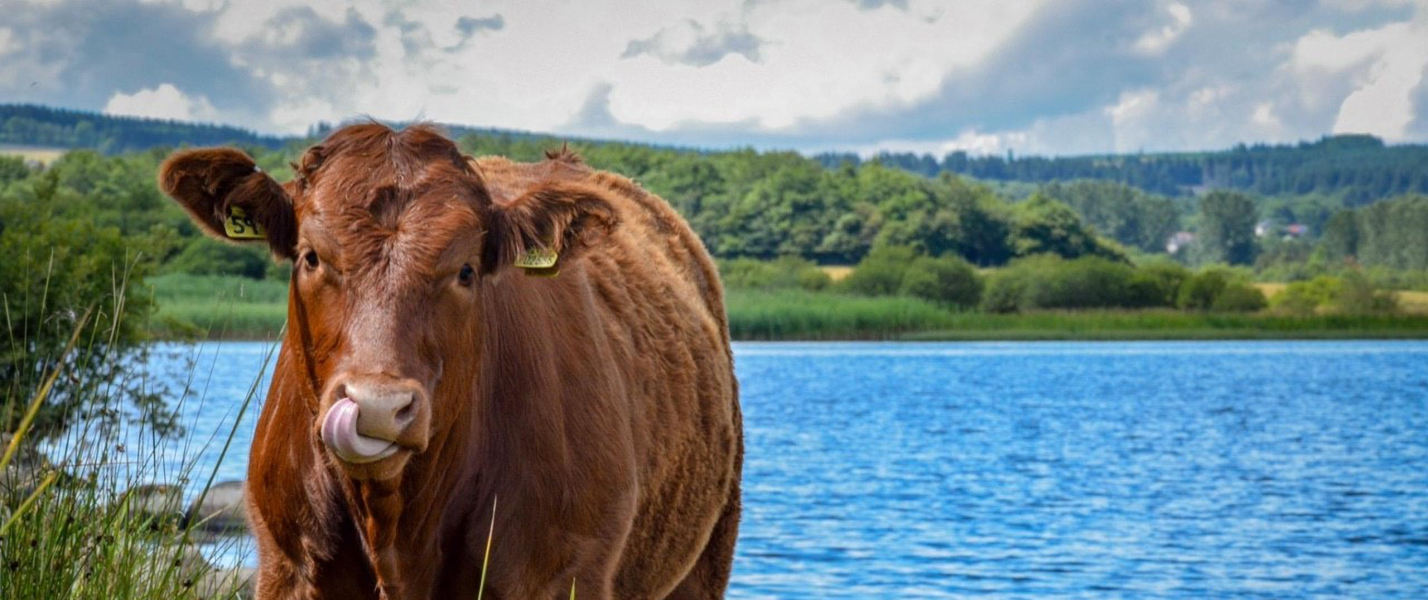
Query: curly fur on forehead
<point x="381" y="169"/>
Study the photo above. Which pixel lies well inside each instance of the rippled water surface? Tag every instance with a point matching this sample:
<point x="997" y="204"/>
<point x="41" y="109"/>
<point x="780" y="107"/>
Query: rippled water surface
<point x="1143" y="470"/>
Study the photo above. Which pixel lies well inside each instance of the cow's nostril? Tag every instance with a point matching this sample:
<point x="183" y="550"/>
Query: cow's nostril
<point x="405" y="414"/>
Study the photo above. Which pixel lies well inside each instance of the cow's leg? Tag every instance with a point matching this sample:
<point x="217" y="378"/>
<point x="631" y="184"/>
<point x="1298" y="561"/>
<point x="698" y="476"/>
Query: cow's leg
<point x="710" y="575"/>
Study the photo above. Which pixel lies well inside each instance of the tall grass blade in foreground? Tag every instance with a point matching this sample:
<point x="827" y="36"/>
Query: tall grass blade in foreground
<point x="486" y="560"/>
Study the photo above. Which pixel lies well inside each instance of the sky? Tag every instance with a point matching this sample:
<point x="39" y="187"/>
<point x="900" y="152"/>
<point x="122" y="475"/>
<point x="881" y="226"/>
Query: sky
<point x="1055" y="77"/>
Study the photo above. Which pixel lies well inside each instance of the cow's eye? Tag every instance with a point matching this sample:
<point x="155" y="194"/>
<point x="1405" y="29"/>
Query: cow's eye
<point x="467" y="275"/>
<point x="310" y="258"/>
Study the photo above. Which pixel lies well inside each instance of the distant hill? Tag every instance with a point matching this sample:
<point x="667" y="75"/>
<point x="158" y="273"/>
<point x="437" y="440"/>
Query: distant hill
<point x="33" y="125"/>
<point x="1351" y="169"/>
<point x="1357" y="169"/>
<point x="47" y="127"/>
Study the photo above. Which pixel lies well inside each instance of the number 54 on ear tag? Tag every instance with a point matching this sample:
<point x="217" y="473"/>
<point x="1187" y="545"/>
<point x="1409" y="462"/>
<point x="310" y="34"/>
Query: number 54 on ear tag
<point x="240" y="226"/>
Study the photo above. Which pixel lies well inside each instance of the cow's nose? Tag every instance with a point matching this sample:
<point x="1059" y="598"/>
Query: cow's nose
<point x="384" y="410"/>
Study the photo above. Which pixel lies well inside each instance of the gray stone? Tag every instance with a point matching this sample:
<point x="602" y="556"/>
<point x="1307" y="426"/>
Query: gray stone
<point x="222" y="509"/>
<point x="161" y="501"/>
<point x="228" y="583"/>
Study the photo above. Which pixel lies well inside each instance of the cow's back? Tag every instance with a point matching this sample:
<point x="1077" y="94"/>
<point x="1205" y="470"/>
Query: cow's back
<point x="654" y="292"/>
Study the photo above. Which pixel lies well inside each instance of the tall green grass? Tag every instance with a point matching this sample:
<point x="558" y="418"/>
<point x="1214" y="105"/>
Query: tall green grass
<point x="218" y="307"/>
<point x="796" y="314"/>
<point x="799" y="314"/>
<point x="1166" y="324"/>
<point x="208" y="307"/>
<point x="74" y="522"/>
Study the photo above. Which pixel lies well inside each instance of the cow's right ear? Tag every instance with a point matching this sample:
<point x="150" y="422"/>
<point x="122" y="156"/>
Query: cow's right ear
<point x="230" y="198"/>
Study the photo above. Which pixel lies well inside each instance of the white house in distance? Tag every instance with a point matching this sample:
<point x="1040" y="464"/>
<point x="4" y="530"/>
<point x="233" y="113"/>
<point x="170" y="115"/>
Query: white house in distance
<point x="1179" y="241"/>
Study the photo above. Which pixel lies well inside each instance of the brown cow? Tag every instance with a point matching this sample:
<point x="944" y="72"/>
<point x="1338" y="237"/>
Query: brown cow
<point x="427" y="382"/>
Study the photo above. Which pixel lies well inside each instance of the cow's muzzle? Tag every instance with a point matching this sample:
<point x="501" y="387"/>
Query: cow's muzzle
<point x="371" y="419"/>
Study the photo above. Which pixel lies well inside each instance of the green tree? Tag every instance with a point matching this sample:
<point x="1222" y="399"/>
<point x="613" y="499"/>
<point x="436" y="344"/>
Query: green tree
<point x="1041" y="225"/>
<point x="1124" y="213"/>
<point x="1226" y="235"/>
<point x="58" y="270"/>
<point x="880" y="273"/>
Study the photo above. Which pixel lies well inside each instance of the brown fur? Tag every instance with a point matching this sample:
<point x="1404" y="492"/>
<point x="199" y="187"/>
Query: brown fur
<point x="596" y="412"/>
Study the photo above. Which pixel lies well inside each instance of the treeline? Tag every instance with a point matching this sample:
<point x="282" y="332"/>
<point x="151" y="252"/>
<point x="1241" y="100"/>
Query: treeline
<point x="1358" y="169"/>
<point x="1342" y="170"/>
<point x="764" y="205"/>
<point x="747" y="204"/>
<point x="1391" y="234"/>
<point x="34" y="125"/>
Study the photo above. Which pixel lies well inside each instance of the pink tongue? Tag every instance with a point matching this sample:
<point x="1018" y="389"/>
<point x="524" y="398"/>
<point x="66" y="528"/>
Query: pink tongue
<point x="339" y="431"/>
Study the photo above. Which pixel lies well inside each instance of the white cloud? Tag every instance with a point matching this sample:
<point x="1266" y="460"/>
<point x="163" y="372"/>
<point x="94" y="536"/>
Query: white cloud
<point x="1264" y="116"/>
<point x="986" y="76"/>
<point x="8" y="43"/>
<point x="970" y="141"/>
<point x="765" y="65"/>
<point x="1322" y="51"/>
<point x="163" y="102"/>
<point x="1155" y="42"/>
<point x="818" y="60"/>
<point x="1383" y="103"/>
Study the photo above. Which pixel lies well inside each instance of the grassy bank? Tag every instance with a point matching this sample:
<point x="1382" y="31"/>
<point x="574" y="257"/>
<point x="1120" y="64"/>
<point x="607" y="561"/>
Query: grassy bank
<point x="203" y="307"/>
<point x="1173" y="325"/>
<point x="217" y="307"/>
<point x="795" y="314"/>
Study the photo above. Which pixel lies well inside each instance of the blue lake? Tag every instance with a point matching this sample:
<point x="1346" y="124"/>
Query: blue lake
<point x="1144" y="470"/>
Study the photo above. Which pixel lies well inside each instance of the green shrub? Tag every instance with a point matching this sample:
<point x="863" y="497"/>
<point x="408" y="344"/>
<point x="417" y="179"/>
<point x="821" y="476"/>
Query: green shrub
<point x="204" y="256"/>
<point x="12" y="168"/>
<point x="1305" y="297"/>
<point x="880" y="273"/>
<point x="1239" y="297"/>
<point x="746" y="273"/>
<point x="1165" y="277"/>
<point x="948" y="280"/>
<point x="1357" y="295"/>
<point x="1004" y="291"/>
<point x="813" y="279"/>
<point x="1051" y="282"/>
<point x="781" y="273"/>
<point x="55" y="272"/>
<point x="1199" y="292"/>
<point x="1351" y="293"/>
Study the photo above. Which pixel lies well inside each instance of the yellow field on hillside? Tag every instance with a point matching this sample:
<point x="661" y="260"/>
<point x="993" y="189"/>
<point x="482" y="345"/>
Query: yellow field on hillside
<point x="1271" y="290"/>
<point x="39" y="154"/>
<point x="837" y="272"/>
<point x="1414" y="302"/>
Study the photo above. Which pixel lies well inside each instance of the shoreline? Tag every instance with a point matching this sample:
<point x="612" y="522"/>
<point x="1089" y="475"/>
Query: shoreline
<point x="996" y="335"/>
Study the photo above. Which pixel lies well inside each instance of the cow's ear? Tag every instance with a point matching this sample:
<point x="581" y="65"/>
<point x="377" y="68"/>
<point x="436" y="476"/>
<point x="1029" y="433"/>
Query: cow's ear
<point x="230" y="198"/>
<point x="547" y="227"/>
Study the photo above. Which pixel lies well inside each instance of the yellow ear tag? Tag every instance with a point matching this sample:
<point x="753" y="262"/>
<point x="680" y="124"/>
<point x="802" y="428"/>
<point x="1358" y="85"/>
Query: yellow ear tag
<point x="240" y="226"/>
<point x="539" y="258"/>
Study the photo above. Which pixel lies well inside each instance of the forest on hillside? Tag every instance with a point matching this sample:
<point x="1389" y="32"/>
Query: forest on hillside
<point x="763" y="205"/>
<point x="1355" y="169"/>
<point x="925" y="249"/>
<point x="1335" y="171"/>
<point x="747" y="204"/>
<point x="32" y="125"/>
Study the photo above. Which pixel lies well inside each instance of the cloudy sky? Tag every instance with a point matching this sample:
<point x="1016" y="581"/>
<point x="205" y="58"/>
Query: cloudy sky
<point x="1046" y="77"/>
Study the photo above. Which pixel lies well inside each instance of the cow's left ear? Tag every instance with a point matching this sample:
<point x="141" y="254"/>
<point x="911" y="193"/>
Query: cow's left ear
<point x="230" y="198"/>
<point x="547" y="227"/>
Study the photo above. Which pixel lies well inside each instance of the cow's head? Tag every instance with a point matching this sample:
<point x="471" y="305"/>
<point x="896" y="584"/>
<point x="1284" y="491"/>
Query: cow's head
<point x="393" y="237"/>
